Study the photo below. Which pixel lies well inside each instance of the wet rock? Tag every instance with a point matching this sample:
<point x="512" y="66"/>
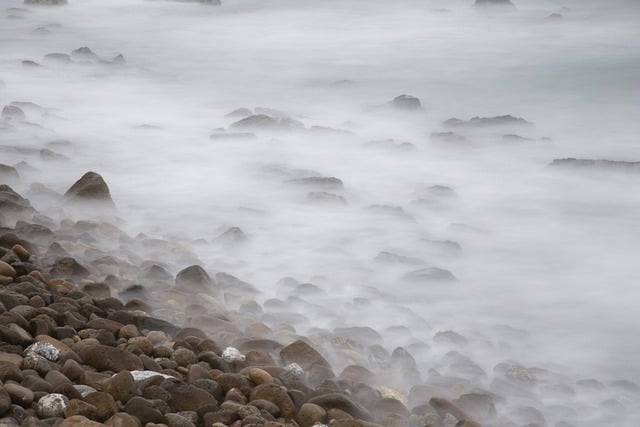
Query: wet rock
<point x="310" y="415"/>
<point x="122" y="419"/>
<point x="406" y="102"/>
<point x="319" y="182"/>
<point x="62" y="58"/>
<point x="480" y="405"/>
<point x="194" y="277"/>
<point x="232" y="236"/>
<point x="67" y="267"/>
<point x="187" y="397"/>
<point x="449" y="337"/>
<point x="8" y="173"/>
<point x="392" y="258"/>
<point x="105" y="404"/>
<point x="240" y="112"/>
<point x="326" y="198"/>
<point x="52" y="405"/>
<point x="122" y="386"/>
<point x="79" y="407"/>
<point x="19" y="395"/>
<point x="342" y="402"/>
<point x="105" y="358"/>
<point x="13" y="113"/>
<point x="90" y="187"/>
<point x="7" y="270"/>
<point x="144" y="411"/>
<point x="5" y="401"/>
<point x="494" y="3"/>
<point x="13" y="203"/>
<point x="597" y="164"/>
<point x="506" y="120"/>
<point x="304" y="355"/>
<point x="555" y="17"/>
<point x="256" y="122"/>
<point x="276" y="394"/>
<point x="430" y="274"/>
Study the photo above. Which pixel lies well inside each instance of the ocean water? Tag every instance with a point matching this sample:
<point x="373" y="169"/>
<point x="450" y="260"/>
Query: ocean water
<point x="546" y="258"/>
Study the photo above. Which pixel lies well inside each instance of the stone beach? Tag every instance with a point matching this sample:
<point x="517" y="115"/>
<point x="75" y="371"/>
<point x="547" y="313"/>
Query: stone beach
<point x="358" y="249"/>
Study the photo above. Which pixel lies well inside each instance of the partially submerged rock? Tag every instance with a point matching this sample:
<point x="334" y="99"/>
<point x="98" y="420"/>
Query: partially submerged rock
<point x="506" y="120"/>
<point x="90" y="187"/>
<point x="406" y="102"/>
<point x="596" y="164"/>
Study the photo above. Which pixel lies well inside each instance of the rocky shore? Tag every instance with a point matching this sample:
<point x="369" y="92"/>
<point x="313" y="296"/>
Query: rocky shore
<point x="82" y="347"/>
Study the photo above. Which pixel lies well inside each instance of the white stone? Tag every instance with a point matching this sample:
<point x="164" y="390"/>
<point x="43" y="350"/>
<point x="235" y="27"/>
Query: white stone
<point x="52" y="405"/>
<point x="44" y="349"/>
<point x="295" y="369"/>
<point x="84" y="390"/>
<point x="232" y="354"/>
<point x="143" y="375"/>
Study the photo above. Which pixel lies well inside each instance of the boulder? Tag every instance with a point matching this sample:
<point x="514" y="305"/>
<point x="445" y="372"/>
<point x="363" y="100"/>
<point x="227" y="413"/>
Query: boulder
<point x="194" y="277"/>
<point x="406" y="102"/>
<point x="90" y="187"/>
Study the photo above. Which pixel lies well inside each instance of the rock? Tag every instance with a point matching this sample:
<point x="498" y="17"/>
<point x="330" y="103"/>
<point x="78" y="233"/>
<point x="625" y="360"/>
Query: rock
<point x="599" y="164"/>
<point x="9" y="371"/>
<point x="175" y="420"/>
<point x="143" y="410"/>
<point x="79" y="407"/>
<point x="480" y="405"/>
<point x="319" y="182"/>
<point x="83" y="53"/>
<point x="240" y="112"/>
<point x="19" y="395"/>
<point x="506" y="120"/>
<point x="194" y="277"/>
<point x="494" y="3"/>
<point x="122" y="419"/>
<point x="187" y="397"/>
<point x="5" y="401"/>
<point x="30" y="64"/>
<point x="46" y="2"/>
<point x="79" y="421"/>
<point x="90" y="187"/>
<point x="327" y="198"/>
<point x="276" y="394"/>
<point x="443" y="407"/>
<point x="105" y="358"/>
<point x="8" y="173"/>
<point x="311" y="414"/>
<point x="406" y="102"/>
<point x="52" y="405"/>
<point x="44" y="349"/>
<point x="121" y="386"/>
<point x="448" y="137"/>
<point x="11" y="112"/>
<point x="67" y="268"/>
<point x="430" y="274"/>
<point x="342" y="402"/>
<point x="105" y="404"/>
<point x="232" y="236"/>
<point x="232" y="354"/>
<point x="7" y="270"/>
<point x="13" y="203"/>
<point x="304" y="355"/>
<point x="58" y="57"/>
<point x="392" y="258"/>
<point x="554" y="17"/>
<point x="256" y="121"/>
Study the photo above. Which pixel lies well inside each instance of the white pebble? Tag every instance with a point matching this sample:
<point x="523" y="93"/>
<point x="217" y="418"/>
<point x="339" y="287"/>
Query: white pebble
<point x="52" y="405"/>
<point x="44" y="349"/>
<point x="143" y="375"/>
<point x="232" y="354"/>
<point x="295" y="369"/>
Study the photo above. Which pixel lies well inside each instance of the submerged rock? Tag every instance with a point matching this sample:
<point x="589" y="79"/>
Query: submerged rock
<point x="319" y="182"/>
<point x="506" y="120"/>
<point x="596" y="164"/>
<point x="11" y="112"/>
<point x="406" y="102"/>
<point x="46" y="2"/>
<point x="194" y="277"/>
<point x="507" y="3"/>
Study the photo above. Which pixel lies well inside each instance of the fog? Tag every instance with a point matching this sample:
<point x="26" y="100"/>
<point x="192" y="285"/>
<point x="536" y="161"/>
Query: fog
<point x="546" y="264"/>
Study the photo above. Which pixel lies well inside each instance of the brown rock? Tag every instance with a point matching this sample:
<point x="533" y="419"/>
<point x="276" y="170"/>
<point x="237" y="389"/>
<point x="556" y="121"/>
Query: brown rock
<point x="194" y="277"/>
<point x="311" y="414"/>
<point x="260" y="376"/>
<point x="122" y="419"/>
<point x="121" y="386"/>
<point x="479" y="404"/>
<point x="343" y="402"/>
<point x="19" y="395"/>
<point x="21" y="252"/>
<point x="104" y="358"/>
<point x="78" y="407"/>
<point x="79" y="421"/>
<point x="304" y="355"/>
<point x="90" y="187"/>
<point x="7" y="270"/>
<point x="444" y="407"/>
<point x="5" y="401"/>
<point x="186" y="397"/>
<point x="105" y="404"/>
<point x="277" y="395"/>
<point x="338" y="414"/>
<point x="128" y="331"/>
<point x="10" y="371"/>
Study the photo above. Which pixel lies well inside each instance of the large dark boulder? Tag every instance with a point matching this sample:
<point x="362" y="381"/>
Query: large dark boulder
<point x="194" y="278"/>
<point x="91" y="187"/>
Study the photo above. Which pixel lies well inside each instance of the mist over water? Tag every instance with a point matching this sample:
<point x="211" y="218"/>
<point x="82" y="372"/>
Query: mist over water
<point x="549" y="253"/>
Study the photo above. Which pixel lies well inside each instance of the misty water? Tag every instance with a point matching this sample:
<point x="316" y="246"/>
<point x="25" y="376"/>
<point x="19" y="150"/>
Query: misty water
<point x="545" y="259"/>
